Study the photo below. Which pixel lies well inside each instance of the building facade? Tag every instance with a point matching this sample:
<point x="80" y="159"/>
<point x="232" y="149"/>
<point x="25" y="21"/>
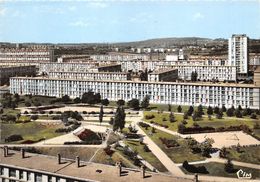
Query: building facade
<point x="91" y="75"/>
<point x="207" y="94"/>
<point x="26" y="55"/>
<point x="169" y="75"/>
<point x="238" y="53"/>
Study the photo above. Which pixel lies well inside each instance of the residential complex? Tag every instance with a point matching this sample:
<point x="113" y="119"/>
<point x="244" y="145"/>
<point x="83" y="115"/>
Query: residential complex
<point x="26" y="55"/>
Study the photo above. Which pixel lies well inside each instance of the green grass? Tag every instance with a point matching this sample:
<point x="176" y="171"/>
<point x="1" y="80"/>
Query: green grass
<point x="29" y="131"/>
<point x="11" y="111"/>
<point x="177" y="154"/>
<point x="103" y="158"/>
<point x="148" y="156"/>
<point x="217" y="169"/>
<point x="214" y="122"/>
<point x="43" y="100"/>
<point x="250" y="154"/>
<point x="256" y="132"/>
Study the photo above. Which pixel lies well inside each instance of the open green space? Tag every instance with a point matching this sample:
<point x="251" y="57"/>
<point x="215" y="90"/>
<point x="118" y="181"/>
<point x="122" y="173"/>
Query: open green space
<point x="35" y="100"/>
<point x="163" y="118"/>
<point x="249" y="154"/>
<point x="217" y="169"/>
<point x="29" y="131"/>
<point x="103" y="158"/>
<point x="148" y="156"/>
<point x="177" y="154"/>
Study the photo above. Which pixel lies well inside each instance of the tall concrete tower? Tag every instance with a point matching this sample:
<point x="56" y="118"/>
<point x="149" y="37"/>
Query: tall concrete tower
<point x="238" y="53"/>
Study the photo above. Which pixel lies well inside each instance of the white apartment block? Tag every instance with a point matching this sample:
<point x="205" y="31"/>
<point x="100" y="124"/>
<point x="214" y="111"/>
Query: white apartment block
<point x="91" y="75"/>
<point x="115" y="56"/>
<point x="26" y="55"/>
<point x="169" y="75"/>
<point x="213" y="94"/>
<point x="73" y="58"/>
<point x="78" y="67"/>
<point x="238" y="53"/>
<point x="205" y="73"/>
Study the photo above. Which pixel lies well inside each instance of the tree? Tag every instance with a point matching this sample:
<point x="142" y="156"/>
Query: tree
<point x="105" y="102"/>
<point x="185" y="115"/>
<point x="77" y="100"/>
<point x="238" y="113"/>
<point x="195" y="116"/>
<point x="179" y="109"/>
<point x="172" y="117"/>
<point x="209" y="110"/>
<point x="134" y="103"/>
<point x="27" y="104"/>
<point x="101" y="114"/>
<point x="145" y="103"/>
<point x="65" y="98"/>
<point x="229" y="167"/>
<point x="34" y="117"/>
<point x="220" y="114"/>
<point x="120" y="102"/>
<point x="240" y="108"/>
<point x="169" y="107"/>
<point x="216" y="110"/>
<point x="253" y="116"/>
<point x="17" y="98"/>
<point x="181" y="128"/>
<point x="190" y="111"/>
<point x="200" y="111"/>
<point x="119" y="120"/>
<point x="206" y="146"/>
<point x="91" y="98"/>
<point x="224" y="109"/>
<point x="230" y="112"/>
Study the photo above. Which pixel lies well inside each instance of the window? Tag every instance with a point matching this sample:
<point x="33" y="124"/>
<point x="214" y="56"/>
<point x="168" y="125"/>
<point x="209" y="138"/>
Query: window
<point x="1" y="171"/>
<point x="12" y="173"/>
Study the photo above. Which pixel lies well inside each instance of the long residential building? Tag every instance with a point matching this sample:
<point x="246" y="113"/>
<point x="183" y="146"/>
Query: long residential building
<point x="177" y="93"/>
<point x="26" y="55"/>
<point x="91" y="75"/>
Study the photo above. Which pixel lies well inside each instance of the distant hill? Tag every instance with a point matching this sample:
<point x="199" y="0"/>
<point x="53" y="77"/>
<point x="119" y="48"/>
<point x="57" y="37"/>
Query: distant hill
<point x="171" y="42"/>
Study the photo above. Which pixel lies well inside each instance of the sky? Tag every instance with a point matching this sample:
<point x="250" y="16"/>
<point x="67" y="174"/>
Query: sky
<point x="57" y="21"/>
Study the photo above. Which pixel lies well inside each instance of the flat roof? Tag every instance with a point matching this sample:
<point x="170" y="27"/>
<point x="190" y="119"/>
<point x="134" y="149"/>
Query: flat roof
<point x="148" y="82"/>
<point x="87" y="171"/>
<point x="99" y="72"/>
<point x="163" y="71"/>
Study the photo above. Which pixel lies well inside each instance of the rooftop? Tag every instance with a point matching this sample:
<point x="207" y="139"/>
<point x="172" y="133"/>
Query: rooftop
<point x="87" y="171"/>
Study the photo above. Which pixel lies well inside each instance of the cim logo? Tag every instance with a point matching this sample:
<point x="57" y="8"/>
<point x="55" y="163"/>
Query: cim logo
<point x="243" y="175"/>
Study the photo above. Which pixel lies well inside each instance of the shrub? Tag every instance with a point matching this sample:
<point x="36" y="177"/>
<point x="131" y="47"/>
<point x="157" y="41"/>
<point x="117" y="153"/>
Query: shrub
<point x="50" y="112"/>
<point x="146" y="148"/>
<point x="13" y="138"/>
<point x="229" y="167"/>
<point x="142" y="124"/>
<point x="169" y="143"/>
<point x="149" y="116"/>
<point x="88" y="135"/>
<point x="253" y="116"/>
<point x="194" y="169"/>
<point x="108" y="151"/>
<point x="34" y="117"/>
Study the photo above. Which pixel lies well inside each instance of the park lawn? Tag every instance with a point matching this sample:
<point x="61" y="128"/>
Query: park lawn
<point x="29" y="131"/>
<point x="256" y="132"/>
<point x="47" y="117"/>
<point x="11" y="111"/>
<point x="226" y="122"/>
<point x="103" y="158"/>
<point x="204" y="121"/>
<point x="249" y="154"/>
<point x="43" y="100"/>
<point x="171" y="126"/>
<point x="177" y="154"/>
<point x="217" y="169"/>
<point x="148" y="156"/>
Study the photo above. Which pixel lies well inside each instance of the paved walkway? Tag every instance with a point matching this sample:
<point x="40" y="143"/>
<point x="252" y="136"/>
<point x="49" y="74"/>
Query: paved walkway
<point x="165" y="160"/>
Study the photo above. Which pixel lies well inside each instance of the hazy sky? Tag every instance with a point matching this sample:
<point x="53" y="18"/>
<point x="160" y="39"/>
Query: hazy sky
<point x="115" y="21"/>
